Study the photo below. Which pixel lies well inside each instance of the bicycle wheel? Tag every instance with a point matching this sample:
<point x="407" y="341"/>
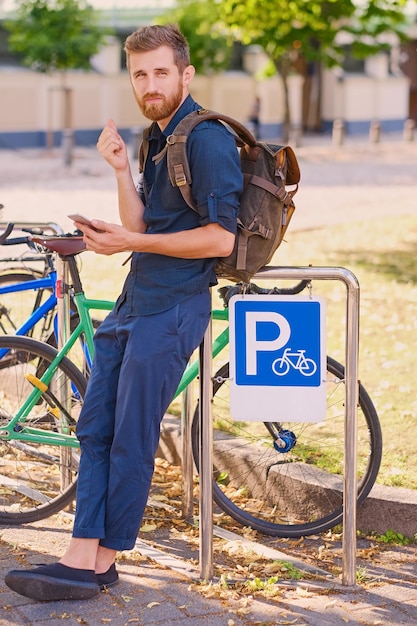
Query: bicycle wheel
<point x="286" y="479"/>
<point x="16" y="307"/>
<point x="37" y="476"/>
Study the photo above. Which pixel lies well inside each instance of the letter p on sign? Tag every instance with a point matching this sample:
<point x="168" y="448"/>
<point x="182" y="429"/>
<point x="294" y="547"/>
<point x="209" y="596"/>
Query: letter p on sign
<point x="254" y="345"/>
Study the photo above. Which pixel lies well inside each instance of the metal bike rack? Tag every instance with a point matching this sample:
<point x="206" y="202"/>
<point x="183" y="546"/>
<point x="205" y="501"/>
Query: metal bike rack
<point x="351" y="401"/>
<point x="63" y="312"/>
<point x="46" y="227"/>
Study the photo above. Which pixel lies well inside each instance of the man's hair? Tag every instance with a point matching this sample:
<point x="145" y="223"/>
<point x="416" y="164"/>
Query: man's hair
<point x="152" y="37"/>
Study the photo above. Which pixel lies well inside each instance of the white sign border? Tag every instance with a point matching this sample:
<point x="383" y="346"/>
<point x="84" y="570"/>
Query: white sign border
<point x="283" y="403"/>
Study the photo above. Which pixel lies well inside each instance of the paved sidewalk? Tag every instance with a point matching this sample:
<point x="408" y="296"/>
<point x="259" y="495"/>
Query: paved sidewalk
<point x="159" y="587"/>
<point x="339" y="185"/>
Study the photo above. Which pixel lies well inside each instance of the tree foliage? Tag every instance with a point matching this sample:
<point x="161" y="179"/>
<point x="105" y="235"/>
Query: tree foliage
<point x="288" y="29"/>
<point x="209" y="40"/>
<point x="296" y="33"/>
<point x="55" y="34"/>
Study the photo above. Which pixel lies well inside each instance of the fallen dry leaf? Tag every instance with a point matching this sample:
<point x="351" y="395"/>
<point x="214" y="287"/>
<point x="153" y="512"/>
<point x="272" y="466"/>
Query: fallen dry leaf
<point x="147" y="528"/>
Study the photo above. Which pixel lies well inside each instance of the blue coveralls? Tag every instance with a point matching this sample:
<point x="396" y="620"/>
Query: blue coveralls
<point x="145" y="343"/>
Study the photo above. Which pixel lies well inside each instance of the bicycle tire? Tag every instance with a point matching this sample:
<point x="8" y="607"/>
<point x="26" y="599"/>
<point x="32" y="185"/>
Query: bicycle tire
<point x="16" y="307"/>
<point x="31" y="474"/>
<point x="295" y="493"/>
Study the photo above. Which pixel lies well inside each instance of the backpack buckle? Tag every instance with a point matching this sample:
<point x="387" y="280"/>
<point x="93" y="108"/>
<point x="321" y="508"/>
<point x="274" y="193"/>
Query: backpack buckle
<point x="180" y="178"/>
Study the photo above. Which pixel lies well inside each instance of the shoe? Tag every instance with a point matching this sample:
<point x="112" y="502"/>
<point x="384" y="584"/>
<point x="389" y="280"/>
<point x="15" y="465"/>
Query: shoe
<point x="54" y="582"/>
<point x="109" y="578"/>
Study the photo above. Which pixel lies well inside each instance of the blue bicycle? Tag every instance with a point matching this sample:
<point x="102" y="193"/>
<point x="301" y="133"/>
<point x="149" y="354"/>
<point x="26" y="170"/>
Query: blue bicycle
<point x="28" y="298"/>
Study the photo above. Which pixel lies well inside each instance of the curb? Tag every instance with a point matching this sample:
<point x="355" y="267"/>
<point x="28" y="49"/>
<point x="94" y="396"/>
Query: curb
<point x="386" y="508"/>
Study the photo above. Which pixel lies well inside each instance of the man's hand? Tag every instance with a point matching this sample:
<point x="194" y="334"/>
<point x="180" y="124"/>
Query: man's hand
<point x="106" y="238"/>
<point x="112" y="147"/>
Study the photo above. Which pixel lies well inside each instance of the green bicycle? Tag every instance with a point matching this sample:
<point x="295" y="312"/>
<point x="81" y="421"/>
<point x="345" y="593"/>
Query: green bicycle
<point x="282" y="479"/>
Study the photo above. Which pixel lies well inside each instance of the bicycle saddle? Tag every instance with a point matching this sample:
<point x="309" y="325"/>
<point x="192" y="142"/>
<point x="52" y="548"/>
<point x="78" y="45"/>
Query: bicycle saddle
<point x="66" y="246"/>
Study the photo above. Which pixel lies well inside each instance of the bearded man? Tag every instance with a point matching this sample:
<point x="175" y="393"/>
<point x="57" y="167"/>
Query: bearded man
<point x="145" y="343"/>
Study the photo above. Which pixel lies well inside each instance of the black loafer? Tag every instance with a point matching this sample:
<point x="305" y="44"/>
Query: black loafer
<point x="109" y="578"/>
<point x="54" y="582"/>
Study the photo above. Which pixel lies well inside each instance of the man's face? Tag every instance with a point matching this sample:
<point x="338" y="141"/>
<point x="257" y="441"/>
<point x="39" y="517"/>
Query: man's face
<point x="158" y="86"/>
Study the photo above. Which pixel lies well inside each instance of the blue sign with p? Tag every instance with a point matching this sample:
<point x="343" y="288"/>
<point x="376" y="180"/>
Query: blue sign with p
<point x="278" y="342"/>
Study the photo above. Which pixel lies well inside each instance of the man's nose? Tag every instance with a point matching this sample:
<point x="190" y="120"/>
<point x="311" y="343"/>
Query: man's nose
<point x="150" y="84"/>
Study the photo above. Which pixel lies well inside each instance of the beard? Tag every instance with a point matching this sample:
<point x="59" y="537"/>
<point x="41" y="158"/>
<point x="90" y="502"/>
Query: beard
<point x="163" y="109"/>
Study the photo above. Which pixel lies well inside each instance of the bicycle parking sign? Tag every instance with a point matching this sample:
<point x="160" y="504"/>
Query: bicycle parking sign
<point x="277" y="358"/>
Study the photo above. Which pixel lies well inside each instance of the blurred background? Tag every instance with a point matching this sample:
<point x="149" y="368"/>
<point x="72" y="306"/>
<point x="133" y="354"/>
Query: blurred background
<point x="288" y="69"/>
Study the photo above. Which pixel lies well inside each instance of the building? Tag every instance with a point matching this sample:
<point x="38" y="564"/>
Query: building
<point x="382" y="89"/>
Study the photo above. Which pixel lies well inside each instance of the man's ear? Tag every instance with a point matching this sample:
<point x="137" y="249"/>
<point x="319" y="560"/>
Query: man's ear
<point x="188" y="75"/>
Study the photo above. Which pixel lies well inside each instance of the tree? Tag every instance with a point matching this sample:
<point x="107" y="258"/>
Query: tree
<point x="293" y="32"/>
<point x="210" y="44"/>
<point x="56" y="36"/>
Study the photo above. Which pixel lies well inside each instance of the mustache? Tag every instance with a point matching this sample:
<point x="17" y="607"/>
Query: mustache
<point x="152" y="94"/>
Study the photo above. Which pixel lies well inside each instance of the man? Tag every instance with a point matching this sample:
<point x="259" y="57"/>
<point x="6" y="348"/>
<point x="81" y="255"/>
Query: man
<point x="143" y="346"/>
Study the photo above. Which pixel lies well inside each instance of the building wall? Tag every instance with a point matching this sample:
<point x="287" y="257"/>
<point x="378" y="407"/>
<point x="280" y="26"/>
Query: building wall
<point x="33" y="104"/>
<point x="359" y="99"/>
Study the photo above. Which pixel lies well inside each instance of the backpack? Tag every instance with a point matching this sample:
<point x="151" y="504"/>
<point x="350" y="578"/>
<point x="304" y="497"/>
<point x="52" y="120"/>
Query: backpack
<point x="266" y="206"/>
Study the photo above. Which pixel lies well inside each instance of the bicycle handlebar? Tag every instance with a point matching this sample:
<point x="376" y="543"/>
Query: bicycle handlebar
<point x="251" y="288"/>
<point x="5" y="240"/>
<point x="6" y="233"/>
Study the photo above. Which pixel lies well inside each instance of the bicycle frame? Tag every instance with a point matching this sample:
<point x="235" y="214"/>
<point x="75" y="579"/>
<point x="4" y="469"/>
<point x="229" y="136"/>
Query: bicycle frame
<point x="47" y="282"/>
<point x="85" y="328"/>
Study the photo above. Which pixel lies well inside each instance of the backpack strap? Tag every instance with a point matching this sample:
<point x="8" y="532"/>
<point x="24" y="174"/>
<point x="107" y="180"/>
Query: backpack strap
<point x="144" y="148"/>
<point x="178" y="166"/>
<point x="143" y="154"/>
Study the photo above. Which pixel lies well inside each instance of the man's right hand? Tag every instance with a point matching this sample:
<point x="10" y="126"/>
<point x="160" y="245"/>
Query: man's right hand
<point x="112" y="147"/>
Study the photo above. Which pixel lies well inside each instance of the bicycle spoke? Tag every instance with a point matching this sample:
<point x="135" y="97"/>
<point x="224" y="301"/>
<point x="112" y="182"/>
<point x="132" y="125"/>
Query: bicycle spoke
<point x="286" y="479"/>
<point x="37" y="476"/>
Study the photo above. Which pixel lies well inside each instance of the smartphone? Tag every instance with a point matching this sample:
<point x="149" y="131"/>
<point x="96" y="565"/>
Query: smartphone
<point x="77" y="217"/>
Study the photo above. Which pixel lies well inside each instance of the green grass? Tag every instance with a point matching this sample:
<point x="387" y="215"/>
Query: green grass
<point x="382" y="255"/>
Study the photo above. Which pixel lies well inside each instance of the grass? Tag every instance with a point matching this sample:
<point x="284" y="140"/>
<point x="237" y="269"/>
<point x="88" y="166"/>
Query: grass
<point x="382" y="255"/>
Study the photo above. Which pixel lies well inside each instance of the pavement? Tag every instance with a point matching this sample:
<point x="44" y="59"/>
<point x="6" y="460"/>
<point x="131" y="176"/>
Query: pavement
<point x="160" y="578"/>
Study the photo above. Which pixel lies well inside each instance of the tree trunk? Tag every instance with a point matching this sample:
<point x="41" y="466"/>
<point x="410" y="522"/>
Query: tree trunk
<point x="283" y="70"/>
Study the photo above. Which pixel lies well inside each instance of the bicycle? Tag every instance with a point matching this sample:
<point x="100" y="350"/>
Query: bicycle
<point x="20" y="311"/>
<point x="24" y="314"/>
<point x="278" y="478"/>
<point x="25" y="265"/>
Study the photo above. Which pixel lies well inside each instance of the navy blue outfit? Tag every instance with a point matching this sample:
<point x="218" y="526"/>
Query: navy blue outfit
<point x="145" y="343"/>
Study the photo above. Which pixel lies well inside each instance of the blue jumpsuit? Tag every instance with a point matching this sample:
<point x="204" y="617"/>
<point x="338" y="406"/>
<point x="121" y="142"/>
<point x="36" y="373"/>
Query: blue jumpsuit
<point x="145" y="343"/>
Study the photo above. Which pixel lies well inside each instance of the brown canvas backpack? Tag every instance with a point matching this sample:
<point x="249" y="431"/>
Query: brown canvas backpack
<point x="271" y="177"/>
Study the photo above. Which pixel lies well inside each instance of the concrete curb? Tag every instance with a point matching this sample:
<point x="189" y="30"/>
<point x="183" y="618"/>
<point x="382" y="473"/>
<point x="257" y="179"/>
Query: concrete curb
<point x="386" y="508"/>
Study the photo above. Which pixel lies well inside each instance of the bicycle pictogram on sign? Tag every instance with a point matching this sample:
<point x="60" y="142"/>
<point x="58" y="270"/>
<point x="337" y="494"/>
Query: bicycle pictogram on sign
<point x="296" y="359"/>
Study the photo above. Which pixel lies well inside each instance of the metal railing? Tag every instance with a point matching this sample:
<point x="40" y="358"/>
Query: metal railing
<point x="350" y="430"/>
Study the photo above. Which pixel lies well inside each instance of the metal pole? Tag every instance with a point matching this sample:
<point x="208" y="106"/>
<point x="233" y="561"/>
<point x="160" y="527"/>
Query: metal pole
<point x="187" y="457"/>
<point x="206" y="460"/>
<point x="351" y="390"/>
<point x="63" y="310"/>
<point x="350" y="459"/>
<point x="63" y="304"/>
